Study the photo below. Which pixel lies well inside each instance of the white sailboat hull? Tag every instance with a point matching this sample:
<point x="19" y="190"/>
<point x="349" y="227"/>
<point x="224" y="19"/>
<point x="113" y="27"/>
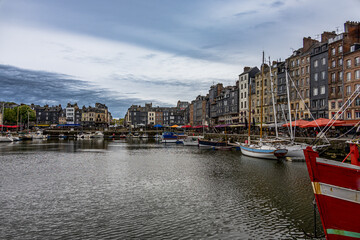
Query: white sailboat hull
<point x="258" y="152"/>
<point x="5" y="139"/>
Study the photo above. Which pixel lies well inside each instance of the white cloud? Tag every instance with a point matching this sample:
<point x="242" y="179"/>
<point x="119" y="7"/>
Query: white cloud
<point x="98" y="60"/>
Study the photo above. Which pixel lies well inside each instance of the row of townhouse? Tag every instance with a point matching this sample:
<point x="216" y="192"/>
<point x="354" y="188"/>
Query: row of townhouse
<point x="322" y="75"/>
<point x="97" y="116"/>
<point x="138" y="116"/>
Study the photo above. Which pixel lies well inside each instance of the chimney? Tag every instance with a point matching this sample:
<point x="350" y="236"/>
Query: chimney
<point x="325" y="36"/>
<point x="307" y="43"/>
<point x="353" y="30"/>
<point x="246" y="69"/>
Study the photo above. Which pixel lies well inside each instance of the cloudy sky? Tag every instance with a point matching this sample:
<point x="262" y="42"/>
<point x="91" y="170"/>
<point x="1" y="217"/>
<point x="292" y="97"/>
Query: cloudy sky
<point x="124" y="52"/>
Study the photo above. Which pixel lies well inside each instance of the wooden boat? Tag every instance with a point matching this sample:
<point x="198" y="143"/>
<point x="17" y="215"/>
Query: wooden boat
<point x="336" y="186"/>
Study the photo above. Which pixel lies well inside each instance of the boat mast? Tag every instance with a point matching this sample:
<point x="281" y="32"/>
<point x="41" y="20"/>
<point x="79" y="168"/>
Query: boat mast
<point x="2" y="125"/>
<point x="249" y="97"/>
<point x="273" y="100"/>
<point x="262" y="96"/>
<point x="288" y="98"/>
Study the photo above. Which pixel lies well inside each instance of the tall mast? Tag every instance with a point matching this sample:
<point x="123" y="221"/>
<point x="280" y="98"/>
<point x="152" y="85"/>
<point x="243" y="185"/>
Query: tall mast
<point x="2" y="125"/>
<point x="249" y="97"/>
<point x="262" y="96"/>
<point x="273" y="100"/>
<point x="288" y="98"/>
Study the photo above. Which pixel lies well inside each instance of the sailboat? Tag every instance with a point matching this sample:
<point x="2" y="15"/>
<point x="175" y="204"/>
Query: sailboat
<point x="261" y="149"/>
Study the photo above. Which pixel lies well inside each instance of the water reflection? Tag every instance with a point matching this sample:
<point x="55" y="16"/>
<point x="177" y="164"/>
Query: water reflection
<point x="144" y="189"/>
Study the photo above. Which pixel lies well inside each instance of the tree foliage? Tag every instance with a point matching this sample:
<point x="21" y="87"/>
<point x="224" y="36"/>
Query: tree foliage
<point x="12" y="115"/>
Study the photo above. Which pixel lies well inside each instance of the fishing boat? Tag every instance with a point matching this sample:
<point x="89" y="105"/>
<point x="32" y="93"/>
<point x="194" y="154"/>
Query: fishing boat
<point x="170" y="137"/>
<point x="261" y="149"/>
<point x="336" y="187"/>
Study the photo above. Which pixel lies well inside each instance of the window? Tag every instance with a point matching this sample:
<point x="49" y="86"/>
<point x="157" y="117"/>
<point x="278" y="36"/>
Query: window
<point x="307" y="92"/>
<point x="333" y="105"/>
<point x="316" y="76"/>
<point x="348" y="115"/>
<point x="357" y="74"/>
<point x="348" y="76"/>
<point x="339" y="104"/>
<point x="322" y="90"/>
<point x="333" y="51"/>
<point x="316" y="63"/>
<point x="315" y="91"/>
<point x="333" y="77"/>
<point x="341" y="76"/>
<point x="323" y="75"/>
<point x="340" y="62"/>
<point x="323" y="61"/>
<point x="348" y="90"/>
<point x="357" y="101"/>
<point x="333" y="90"/>
<point x="314" y="103"/>
<point x="357" y="114"/>
<point x="307" y="69"/>
<point x="340" y="49"/>
<point x="333" y="64"/>
<point x="348" y="63"/>
<point x="357" y="61"/>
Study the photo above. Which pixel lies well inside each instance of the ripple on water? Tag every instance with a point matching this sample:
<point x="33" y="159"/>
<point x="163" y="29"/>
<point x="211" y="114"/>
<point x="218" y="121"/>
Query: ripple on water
<point x="92" y="190"/>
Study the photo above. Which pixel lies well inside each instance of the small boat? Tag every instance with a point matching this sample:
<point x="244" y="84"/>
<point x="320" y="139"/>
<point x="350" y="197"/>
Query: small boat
<point x="336" y="187"/>
<point x="84" y="135"/>
<point x="6" y="138"/>
<point x="25" y="136"/>
<point x="122" y="136"/>
<point x="191" y="140"/>
<point x="39" y="135"/>
<point x="97" y="134"/>
<point x="169" y="137"/>
<point x="262" y="151"/>
<point x="217" y="145"/>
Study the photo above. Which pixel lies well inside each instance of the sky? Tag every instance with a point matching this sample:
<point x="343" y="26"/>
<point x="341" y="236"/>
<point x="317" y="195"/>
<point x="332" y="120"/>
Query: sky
<point x="129" y="52"/>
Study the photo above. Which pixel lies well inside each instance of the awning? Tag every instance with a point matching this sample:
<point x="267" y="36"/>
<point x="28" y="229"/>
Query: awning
<point x="200" y="126"/>
<point x="322" y="122"/>
<point x="348" y="123"/>
<point x="186" y="126"/>
<point x="297" y="123"/>
<point x="174" y="126"/>
<point x="9" y="126"/>
<point x="158" y="126"/>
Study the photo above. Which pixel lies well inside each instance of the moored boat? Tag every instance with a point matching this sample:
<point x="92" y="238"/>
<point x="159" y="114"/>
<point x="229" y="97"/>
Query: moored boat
<point x="169" y="137"/>
<point x="336" y="187"/>
<point x="191" y="140"/>
<point x="218" y="145"/>
<point x="97" y="134"/>
<point x="262" y="151"/>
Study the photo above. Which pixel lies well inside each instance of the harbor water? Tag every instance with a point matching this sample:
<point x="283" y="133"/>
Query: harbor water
<point x="119" y="189"/>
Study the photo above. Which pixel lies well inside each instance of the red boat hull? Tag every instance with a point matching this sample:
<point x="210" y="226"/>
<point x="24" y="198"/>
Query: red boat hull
<point x="336" y="187"/>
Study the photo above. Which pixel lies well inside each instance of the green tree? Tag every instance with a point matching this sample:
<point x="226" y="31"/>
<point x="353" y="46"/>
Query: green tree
<point x="11" y="116"/>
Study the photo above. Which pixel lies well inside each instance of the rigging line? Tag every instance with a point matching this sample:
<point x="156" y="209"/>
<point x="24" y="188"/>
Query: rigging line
<point x="356" y="125"/>
<point x="305" y="105"/>
<point x="345" y="105"/>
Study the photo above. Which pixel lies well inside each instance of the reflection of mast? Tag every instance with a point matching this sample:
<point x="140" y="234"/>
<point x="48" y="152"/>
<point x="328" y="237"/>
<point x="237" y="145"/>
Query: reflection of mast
<point x="249" y="96"/>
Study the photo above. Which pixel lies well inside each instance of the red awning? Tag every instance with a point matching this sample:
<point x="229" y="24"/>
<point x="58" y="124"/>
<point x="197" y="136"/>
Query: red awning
<point x="297" y="123"/>
<point x="9" y="126"/>
<point x="348" y="123"/>
<point x="186" y="126"/>
<point x="322" y="122"/>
